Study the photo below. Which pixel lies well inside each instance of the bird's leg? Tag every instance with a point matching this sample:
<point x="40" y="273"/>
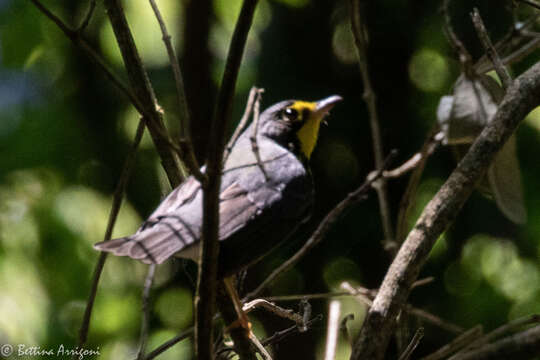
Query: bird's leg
<point x="242" y="320"/>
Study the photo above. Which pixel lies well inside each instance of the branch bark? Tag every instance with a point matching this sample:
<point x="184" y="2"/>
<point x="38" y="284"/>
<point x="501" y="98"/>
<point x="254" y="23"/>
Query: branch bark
<point x="520" y="99"/>
<point x="140" y="83"/>
<point x="523" y="345"/>
<point x="207" y="278"/>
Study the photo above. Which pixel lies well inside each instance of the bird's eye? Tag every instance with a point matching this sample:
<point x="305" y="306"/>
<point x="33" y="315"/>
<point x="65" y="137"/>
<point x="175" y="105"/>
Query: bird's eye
<point x="290" y="114"/>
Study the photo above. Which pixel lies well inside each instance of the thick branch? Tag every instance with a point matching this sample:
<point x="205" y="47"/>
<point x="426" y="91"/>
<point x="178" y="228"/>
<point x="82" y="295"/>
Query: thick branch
<point x="143" y="89"/>
<point x="520" y="99"/>
<point x="207" y="279"/>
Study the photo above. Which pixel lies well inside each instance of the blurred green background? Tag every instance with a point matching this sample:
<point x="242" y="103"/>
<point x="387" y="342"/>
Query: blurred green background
<point x="65" y="131"/>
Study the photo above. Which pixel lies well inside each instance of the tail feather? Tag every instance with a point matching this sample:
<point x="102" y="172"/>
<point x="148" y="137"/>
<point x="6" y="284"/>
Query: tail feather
<point x="151" y="246"/>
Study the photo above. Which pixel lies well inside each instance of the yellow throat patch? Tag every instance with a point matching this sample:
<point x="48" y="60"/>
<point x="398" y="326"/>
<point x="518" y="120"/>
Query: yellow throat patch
<point x="311" y="122"/>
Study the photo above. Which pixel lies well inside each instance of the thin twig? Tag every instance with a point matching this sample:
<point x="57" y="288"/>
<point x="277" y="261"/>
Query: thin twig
<point x="408" y="198"/>
<point x="533" y="3"/>
<point x="323" y="228"/>
<point x="332" y="330"/>
<point x="145" y="321"/>
<point x="414" y="160"/>
<point x="253" y="96"/>
<point x="260" y="348"/>
<point x="115" y="209"/>
<point x="79" y="41"/>
<point x="345" y="330"/>
<point x="280" y="335"/>
<point x="515" y="324"/>
<point x="458" y="343"/>
<point x="523" y="345"/>
<point x="360" y="40"/>
<point x="440" y="212"/>
<point x="464" y="57"/>
<point x="86" y="20"/>
<point x="418" y="335"/>
<point x="491" y="52"/>
<point x="170" y="343"/>
<point x="208" y="264"/>
<point x="273" y="308"/>
<point x="185" y="139"/>
<point x="253" y="137"/>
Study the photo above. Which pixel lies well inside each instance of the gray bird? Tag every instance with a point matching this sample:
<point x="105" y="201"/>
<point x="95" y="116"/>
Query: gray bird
<point x="261" y="202"/>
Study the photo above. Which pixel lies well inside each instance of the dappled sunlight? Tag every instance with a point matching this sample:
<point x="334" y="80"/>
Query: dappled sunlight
<point x="341" y="269"/>
<point x="174" y="308"/>
<point x="85" y="212"/>
<point x="428" y="70"/>
<point x="146" y="31"/>
<point x="24" y="303"/>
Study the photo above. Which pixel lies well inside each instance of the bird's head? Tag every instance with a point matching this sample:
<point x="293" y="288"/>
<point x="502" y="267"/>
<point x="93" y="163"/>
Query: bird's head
<point x="300" y="119"/>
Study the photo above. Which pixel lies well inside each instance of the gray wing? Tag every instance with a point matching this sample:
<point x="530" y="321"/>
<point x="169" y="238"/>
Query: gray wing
<point x="175" y="225"/>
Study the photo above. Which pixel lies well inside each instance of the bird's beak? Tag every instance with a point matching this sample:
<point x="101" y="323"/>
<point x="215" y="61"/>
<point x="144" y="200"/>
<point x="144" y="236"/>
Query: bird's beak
<point x="322" y="107"/>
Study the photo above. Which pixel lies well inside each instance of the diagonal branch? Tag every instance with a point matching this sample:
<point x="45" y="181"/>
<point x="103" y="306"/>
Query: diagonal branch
<point x="318" y="235"/>
<point x="115" y="209"/>
<point x="186" y="145"/>
<point x="79" y="41"/>
<point x="144" y="92"/>
<point x="520" y="99"/>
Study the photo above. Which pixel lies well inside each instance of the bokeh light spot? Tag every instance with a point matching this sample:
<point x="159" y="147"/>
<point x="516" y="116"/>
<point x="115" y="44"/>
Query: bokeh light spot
<point x="174" y="308"/>
<point x="428" y="70"/>
<point x="343" y="44"/>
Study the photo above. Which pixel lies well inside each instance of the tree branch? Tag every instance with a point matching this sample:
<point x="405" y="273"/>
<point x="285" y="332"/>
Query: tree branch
<point x="143" y="90"/>
<point x="490" y="50"/>
<point x="188" y="155"/>
<point x="79" y="41"/>
<point x="115" y="209"/>
<point x="523" y="345"/>
<point x="520" y="99"/>
<point x="207" y="278"/>
<point x="360" y="40"/>
<point x="323" y="228"/>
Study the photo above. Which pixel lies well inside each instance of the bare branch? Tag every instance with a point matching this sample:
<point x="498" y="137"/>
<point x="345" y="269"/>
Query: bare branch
<point x="168" y="344"/>
<point x="418" y="335"/>
<point x="115" y="209"/>
<point x="524" y="345"/>
<point x="491" y="52"/>
<point x="323" y="228"/>
<point x="185" y="138"/>
<point x="515" y="324"/>
<point x="208" y="264"/>
<point x="79" y="41"/>
<point x="280" y="335"/>
<point x="145" y="321"/>
<point x="273" y="308"/>
<point x="253" y="137"/>
<point x="533" y="3"/>
<point x="143" y="90"/>
<point x="253" y="96"/>
<point x="360" y="40"/>
<point x="88" y="17"/>
<point x="520" y="99"/>
<point x="456" y="344"/>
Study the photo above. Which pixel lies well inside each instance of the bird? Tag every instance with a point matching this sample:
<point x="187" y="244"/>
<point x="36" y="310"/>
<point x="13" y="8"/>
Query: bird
<point x="261" y="202"/>
<point x="266" y="193"/>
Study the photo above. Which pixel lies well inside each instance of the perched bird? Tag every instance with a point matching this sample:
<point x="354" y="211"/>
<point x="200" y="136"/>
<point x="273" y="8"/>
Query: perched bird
<point x="264" y="197"/>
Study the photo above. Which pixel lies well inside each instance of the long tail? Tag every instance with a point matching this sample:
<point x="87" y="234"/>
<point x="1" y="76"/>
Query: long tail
<point x="151" y="246"/>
